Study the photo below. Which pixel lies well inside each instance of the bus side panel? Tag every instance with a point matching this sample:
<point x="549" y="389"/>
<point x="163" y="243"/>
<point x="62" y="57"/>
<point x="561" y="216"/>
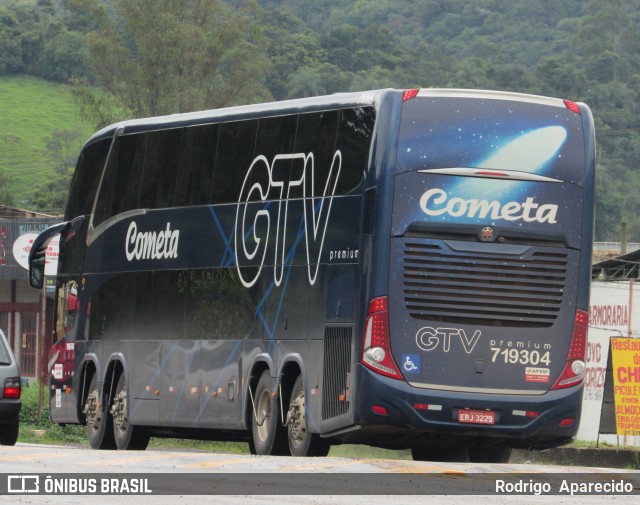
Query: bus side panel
<point x="145" y="382"/>
<point x="180" y="383"/>
<point x="220" y="389"/>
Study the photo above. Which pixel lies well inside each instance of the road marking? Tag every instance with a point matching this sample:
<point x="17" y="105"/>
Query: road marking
<point x="122" y="459"/>
<point x="213" y="464"/>
<point x="26" y="457"/>
<point x="417" y="467"/>
<point x="311" y="466"/>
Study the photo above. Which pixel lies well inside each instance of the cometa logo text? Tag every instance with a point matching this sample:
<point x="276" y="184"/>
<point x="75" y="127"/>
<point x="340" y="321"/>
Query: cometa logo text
<point x="151" y="245"/>
<point x="436" y="202"/>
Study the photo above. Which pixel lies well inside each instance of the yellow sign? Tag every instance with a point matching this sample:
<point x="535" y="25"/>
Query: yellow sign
<point x="626" y="381"/>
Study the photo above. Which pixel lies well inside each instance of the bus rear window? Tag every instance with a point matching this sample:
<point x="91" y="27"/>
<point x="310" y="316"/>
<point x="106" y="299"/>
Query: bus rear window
<point x="498" y="134"/>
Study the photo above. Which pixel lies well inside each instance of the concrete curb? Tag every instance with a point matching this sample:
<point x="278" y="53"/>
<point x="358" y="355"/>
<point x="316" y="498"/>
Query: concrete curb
<point x="624" y="459"/>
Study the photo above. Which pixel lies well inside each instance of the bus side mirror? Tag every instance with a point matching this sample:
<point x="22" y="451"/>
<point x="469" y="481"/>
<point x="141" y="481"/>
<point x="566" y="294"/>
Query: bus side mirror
<point x="38" y="253"/>
<point x="36" y="269"/>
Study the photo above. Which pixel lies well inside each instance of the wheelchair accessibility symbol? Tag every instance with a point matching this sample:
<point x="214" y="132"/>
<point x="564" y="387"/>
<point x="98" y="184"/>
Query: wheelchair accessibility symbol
<point x="411" y="363"/>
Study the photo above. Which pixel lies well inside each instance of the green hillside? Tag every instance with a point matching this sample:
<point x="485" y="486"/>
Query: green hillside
<point x="31" y="110"/>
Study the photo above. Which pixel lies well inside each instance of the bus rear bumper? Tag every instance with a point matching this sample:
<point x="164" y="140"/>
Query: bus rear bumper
<point x="423" y="417"/>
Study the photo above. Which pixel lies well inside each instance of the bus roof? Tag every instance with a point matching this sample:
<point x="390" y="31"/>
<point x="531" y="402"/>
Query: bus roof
<point x="284" y="107"/>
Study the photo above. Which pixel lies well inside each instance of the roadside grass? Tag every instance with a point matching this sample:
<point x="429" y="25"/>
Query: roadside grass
<point x="36" y="428"/>
<point x="33" y="109"/>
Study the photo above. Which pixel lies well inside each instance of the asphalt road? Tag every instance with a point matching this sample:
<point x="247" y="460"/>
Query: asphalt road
<point x="169" y="477"/>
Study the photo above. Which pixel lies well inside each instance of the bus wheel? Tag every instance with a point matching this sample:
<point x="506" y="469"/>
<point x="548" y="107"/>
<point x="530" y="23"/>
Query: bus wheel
<point x="268" y="435"/>
<point x="301" y="441"/>
<point x="98" y="426"/>
<point x="127" y="436"/>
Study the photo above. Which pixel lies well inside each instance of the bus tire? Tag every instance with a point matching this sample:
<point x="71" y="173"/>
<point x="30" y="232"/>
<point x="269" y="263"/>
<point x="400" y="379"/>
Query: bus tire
<point x="98" y="426"/>
<point x="127" y="436"/>
<point x="301" y="441"/>
<point x="268" y="435"/>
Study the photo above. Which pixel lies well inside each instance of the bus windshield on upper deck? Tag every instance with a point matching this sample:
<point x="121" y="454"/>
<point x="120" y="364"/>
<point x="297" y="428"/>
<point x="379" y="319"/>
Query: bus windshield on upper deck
<point x="540" y="138"/>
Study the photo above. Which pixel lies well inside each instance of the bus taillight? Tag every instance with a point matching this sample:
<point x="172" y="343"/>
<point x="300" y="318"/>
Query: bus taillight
<point x="410" y="93"/>
<point x="376" y="348"/>
<point x="573" y="372"/>
<point x="572" y="106"/>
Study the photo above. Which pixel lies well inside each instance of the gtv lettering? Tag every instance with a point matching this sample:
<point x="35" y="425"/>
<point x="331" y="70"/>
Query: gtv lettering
<point x="436" y="202"/>
<point x="429" y="339"/>
<point x="277" y="179"/>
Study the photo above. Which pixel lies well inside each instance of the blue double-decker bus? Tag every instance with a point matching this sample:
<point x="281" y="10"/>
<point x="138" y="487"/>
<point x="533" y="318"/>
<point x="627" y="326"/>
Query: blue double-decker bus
<point x="402" y="268"/>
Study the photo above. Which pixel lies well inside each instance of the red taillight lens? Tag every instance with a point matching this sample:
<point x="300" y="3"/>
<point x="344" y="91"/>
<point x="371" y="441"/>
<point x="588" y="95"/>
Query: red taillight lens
<point x="12" y="388"/>
<point x="380" y="410"/>
<point x="572" y="106"/>
<point x="409" y="94"/>
<point x="376" y="348"/>
<point x="573" y="372"/>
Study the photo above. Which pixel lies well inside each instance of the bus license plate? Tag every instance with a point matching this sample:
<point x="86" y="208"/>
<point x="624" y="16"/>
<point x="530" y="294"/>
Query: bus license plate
<point x="476" y="416"/>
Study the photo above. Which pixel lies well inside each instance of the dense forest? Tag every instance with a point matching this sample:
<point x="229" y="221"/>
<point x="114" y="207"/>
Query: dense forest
<point x="146" y="57"/>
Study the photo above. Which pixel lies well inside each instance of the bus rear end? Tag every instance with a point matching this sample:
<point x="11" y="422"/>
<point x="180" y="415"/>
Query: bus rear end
<point x="480" y="341"/>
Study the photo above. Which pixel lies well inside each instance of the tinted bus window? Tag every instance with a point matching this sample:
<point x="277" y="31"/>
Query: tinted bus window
<point x="120" y="189"/>
<point x="160" y="168"/>
<point x="197" y="162"/>
<point x="168" y="305"/>
<point x="234" y="157"/>
<point x="112" y="309"/>
<point x="143" y="303"/>
<point x="217" y="305"/>
<point x="354" y="139"/>
<point x="86" y="178"/>
<point x="317" y="134"/>
<point x="276" y="136"/>
<point x="493" y="134"/>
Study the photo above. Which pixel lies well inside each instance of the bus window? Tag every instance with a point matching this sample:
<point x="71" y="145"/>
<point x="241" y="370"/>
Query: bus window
<point x="354" y="139"/>
<point x="120" y="189"/>
<point x="217" y="306"/>
<point x="67" y="308"/>
<point x="316" y="134"/>
<point x="197" y="161"/>
<point x="86" y="178"/>
<point x="234" y="157"/>
<point x="167" y="320"/>
<point x="160" y="167"/>
<point x="492" y="134"/>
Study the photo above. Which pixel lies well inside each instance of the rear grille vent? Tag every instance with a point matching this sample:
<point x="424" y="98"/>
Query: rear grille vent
<point x="337" y="366"/>
<point x="476" y="288"/>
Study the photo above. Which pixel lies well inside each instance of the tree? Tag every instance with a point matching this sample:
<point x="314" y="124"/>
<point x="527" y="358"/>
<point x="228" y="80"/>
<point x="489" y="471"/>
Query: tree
<point x="306" y="82"/>
<point x="10" y="48"/>
<point x="166" y="56"/>
<point x="6" y="198"/>
<point x="62" y="148"/>
<point x="609" y="39"/>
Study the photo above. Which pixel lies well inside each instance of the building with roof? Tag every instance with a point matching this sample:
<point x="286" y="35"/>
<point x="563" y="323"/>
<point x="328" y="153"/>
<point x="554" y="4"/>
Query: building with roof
<point x="25" y="315"/>
<point x="614" y="312"/>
